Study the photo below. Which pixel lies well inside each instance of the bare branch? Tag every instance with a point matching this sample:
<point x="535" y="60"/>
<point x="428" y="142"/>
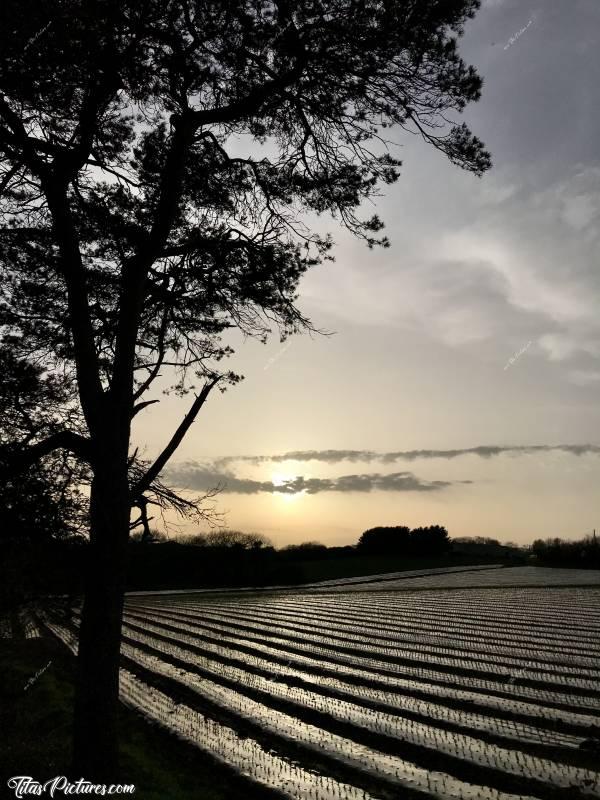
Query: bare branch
<point x="154" y="471"/>
<point x="141" y="406"/>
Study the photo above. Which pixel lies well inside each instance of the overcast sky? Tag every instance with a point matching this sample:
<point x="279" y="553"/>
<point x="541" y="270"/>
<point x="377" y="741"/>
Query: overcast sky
<point x="479" y="327"/>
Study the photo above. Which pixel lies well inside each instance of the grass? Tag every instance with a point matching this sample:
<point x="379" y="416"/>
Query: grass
<point x="355" y="566"/>
<point x="35" y="733"/>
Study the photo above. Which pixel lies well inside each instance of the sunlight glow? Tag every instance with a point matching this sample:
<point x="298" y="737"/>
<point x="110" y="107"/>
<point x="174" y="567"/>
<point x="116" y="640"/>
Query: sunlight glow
<point x="279" y="479"/>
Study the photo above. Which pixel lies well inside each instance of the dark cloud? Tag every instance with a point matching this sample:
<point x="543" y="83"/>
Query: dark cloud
<point x="198" y="477"/>
<point x="201" y="478"/>
<point x="367" y="456"/>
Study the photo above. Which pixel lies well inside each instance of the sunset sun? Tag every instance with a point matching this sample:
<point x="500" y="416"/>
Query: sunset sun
<point x="280" y="479"/>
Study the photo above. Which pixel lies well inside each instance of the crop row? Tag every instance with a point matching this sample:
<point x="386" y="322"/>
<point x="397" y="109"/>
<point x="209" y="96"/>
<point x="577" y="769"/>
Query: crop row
<point x="309" y="667"/>
<point x="317" y="671"/>
<point x="493" y="604"/>
<point x="411" y="573"/>
<point x="509" y="577"/>
<point x="408" y="719"/>
<point x="403" y="613"/>
<point x="351" y="688"/>
<point x="402" y="619"/>
<point x="224" y="743"/>
<point x="348" y="632"/>
<point x="455" y="673"/>
<point x="563" y="599"/>
<point x="437" y="633"/>
<point x="285" y="728"/>
<point x="244" y="754"/>
<point x="415" y="708"/>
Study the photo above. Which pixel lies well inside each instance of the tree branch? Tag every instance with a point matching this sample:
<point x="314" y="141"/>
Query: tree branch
<point x="12" y="458"/>
<point x="250" y="105"/>
<point x="140" y="406"/>
<point x="154" y="471"/>
<point x="26" y="144"/>
<point x="136" y="271"/>
<point x="73" y="271"/>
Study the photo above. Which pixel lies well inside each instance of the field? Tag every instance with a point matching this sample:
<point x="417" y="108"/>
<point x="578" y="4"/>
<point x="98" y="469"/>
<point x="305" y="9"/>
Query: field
<point x="476" y="683"/>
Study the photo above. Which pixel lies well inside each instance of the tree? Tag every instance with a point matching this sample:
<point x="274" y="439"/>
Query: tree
<point x="305" y="550"/>
<point x="582" y="553"/>
<point x="385" y="539"/>
<point x="432" y="540"/>
<point x="42" y="508"/>
<point x="239" y="540"/>
<point x="401" y="540"/>
<point x="41" y="500"/>
<point x="135" y="235"/>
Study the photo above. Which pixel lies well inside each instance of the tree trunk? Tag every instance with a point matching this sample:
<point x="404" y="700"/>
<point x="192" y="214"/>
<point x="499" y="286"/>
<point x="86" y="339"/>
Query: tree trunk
<point x="97" y="691"/>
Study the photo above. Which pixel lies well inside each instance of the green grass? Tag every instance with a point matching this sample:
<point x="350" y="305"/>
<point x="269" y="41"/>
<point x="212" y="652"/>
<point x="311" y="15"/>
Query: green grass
<point x="35" y="733"/>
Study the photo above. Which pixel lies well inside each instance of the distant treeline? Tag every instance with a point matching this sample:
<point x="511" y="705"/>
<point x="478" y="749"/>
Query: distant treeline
<point x="584" y="553"/>
<point x="39" y="565"/>
<point x="54" y="565"/>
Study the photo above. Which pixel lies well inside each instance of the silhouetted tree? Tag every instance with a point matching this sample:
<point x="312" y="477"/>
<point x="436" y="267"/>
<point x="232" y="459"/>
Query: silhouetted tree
<point x="40" y="500"/>
<point x="433" y="539"/>
<point x="487" y="547"/>
<point x="42" y="505"/>
<point x="386" y="539"/>
<point x="477" y="540"/>
<point x="137" y="230"/>
<point x="582" y="553"/>
<point x="194" y="539"/>
<point x="237" y="539"/>
<point x="305" y="550"/>
<point x="401" y="540"/>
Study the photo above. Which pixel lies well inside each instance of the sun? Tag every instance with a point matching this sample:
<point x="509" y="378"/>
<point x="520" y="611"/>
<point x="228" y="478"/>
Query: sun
<point x="279" y="479"/>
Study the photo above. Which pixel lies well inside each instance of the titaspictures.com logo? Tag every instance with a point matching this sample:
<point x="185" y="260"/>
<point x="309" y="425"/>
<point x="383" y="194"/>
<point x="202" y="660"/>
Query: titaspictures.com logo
<point x="26" y="786"/>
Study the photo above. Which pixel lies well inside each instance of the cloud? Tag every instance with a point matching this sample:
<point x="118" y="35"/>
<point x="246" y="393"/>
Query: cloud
<point x="533" y="265"/>
<point x="511" y="258"/>
<point x="191" y="475"/>
<point x="200" y="477"/>
<point x="367" y="456"/>
<point x="582" y="377"/>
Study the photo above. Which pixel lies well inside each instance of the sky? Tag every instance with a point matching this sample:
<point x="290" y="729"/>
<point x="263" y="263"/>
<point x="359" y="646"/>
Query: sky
<point x="460" y="380"/>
